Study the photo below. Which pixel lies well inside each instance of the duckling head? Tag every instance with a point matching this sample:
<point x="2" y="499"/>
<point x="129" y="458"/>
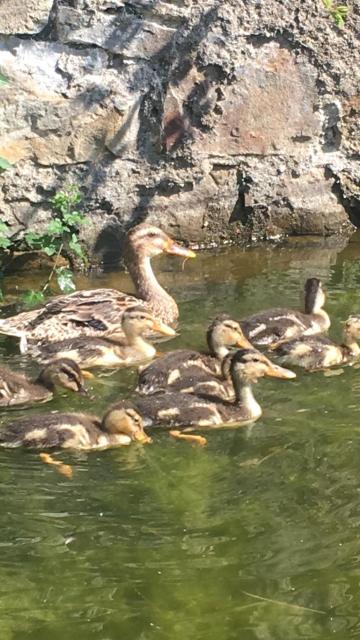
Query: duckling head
<point x="63" y="373"/>
<point x="137" y="320"/>
<point x="314" y="295"/>
<point x="122" y="418"/>
<point x="352" y="326"/>
<point x="249" y="365"/>
<point x="225" y="332"/>
<point x="148" y="241"/>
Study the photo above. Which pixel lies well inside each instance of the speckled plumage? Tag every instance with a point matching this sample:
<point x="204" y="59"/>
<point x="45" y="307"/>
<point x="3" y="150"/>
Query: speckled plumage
<point x="187" y="411"/>
<point x="319" y="352"/>
<point x="183" y="369"/>
<point x="95" y="312"/>
<point x="16" y="388"/>
<point x="275" y="325"/>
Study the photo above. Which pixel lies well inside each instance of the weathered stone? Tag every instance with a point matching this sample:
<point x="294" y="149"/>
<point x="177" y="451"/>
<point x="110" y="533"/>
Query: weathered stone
<point x="24" y="16"/>
<point x="221" y="122"/>
<point x="132" y="37"/>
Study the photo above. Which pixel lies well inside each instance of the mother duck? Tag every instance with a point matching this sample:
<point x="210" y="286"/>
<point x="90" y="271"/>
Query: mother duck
<point x="97" y="311"/>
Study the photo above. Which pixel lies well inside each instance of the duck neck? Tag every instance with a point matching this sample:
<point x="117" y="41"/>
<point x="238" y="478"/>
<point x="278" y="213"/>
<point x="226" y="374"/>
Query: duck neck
<point x="44" y="382"/>
<point x="148" y="288"/>
<point x="323" y="317"/>
<point x="219" y="350"/>
<point x="351" y="344"/>
<point x="137" y="342"/>
<point x="244" y="396"/>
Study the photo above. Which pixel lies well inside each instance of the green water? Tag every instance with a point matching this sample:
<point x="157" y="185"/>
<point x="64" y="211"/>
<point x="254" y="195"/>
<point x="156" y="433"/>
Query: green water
<point x="166" y="541"/>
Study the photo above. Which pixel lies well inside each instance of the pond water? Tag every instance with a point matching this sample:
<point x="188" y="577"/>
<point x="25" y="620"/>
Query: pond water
<point x="255" y="536"/>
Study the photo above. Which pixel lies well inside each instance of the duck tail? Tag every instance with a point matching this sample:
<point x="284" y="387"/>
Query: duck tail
<point x="7" y="330"/>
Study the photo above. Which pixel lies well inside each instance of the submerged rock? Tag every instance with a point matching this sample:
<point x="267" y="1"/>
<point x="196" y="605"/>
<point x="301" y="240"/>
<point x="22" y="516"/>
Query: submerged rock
<point x="222" y="122"/>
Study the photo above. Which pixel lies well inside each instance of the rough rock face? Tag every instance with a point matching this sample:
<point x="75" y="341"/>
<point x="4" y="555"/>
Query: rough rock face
<point x="220" y="121"/>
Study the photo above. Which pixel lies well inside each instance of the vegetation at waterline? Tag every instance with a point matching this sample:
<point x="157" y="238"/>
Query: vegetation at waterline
<point x="337" y="11"/>
<point x="60" y="238"/>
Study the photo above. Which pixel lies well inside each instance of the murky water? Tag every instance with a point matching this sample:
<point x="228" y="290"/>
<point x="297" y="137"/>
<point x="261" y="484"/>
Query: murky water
<point x="255" y="536"/>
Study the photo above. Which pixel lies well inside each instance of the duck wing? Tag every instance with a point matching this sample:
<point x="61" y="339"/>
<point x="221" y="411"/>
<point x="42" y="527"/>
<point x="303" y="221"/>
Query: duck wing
<point x="272" y="326"/>
<point x="54" y="430"/>
<point x="90" y="313"/>
<point x="167" y="410"/>
<point x="171" y="369"/>
<point x="15" y="389"/>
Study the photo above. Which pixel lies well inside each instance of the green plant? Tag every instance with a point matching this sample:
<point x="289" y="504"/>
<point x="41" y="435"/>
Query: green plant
<point x="62" y="234"/>
<point x="337" y="11"/>
<point x="61" y="237"/>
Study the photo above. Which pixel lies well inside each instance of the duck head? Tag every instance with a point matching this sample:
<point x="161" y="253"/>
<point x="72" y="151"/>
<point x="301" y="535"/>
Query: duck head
<point x="123" y="419"/>
<point x="63" y="373"/>
<point x="147" y="240"/>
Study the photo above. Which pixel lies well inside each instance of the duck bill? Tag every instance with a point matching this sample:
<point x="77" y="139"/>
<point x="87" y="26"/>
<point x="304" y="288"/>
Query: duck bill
<point x="274" y="371"/>
<point x="140" y="436"/>
<point x="87" y="375"/>
<point x="177" y="250"/>
<point x="160" y="327"/>
<point x="243" y="343"/>
<point x="83" y="391"/>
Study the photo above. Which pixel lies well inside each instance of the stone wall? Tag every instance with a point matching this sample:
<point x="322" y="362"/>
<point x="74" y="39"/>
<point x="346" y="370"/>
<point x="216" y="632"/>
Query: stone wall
<point x="219" y="120"/>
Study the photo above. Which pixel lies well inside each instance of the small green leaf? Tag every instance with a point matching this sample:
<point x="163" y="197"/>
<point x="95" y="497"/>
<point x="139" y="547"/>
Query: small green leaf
<point x="49" y="250"/>
<point x="4" y="164"/>
<point x="65" y="280"/>
<point x="342" y="8"/>
<point x="32" y="298"/>
<point x="339" y="21"/>
<point x="328" y="3"/>
<point x="75" y="246"/>
<point x="74" y="218"/>
<point x="4" y="242"/>
<point x="3" y="79"/>
<point x="32" y="239"/>
<point x="55" y="227"/>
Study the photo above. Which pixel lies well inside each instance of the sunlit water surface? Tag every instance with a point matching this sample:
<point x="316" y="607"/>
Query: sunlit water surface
<point x="255" y="536"/>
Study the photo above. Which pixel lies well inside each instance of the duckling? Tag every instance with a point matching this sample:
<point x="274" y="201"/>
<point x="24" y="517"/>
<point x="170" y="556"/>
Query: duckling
<point x="120" y="426"/>
<point x="277" y="325"/>
<point x="318" y="352"/>
<point x="185" y="370"/>
<point x="95" y="312"/>
<point x="15" y="388"/>
<point x="111" y="350"/>
<point x="188" y="411"/>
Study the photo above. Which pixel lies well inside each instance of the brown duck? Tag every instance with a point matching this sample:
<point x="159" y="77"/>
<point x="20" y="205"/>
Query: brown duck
<point x="97" y="311"/>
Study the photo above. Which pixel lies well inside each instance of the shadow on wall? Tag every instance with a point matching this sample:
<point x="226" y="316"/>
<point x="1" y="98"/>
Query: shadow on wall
<point x="155" y="140"/>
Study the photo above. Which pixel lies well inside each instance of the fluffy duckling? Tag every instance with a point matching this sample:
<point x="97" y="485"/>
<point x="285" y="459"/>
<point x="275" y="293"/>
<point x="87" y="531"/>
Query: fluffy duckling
<point x="95" y="312"/>
<point x="15" y="388"/>
<point x="277" y="325"/>
<point x="318" y="352"/>
<point x="188" y="411"/>
<point x="191" y="371"/>
<point x="120" y="426"/>
<point x="112" y="350"/>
